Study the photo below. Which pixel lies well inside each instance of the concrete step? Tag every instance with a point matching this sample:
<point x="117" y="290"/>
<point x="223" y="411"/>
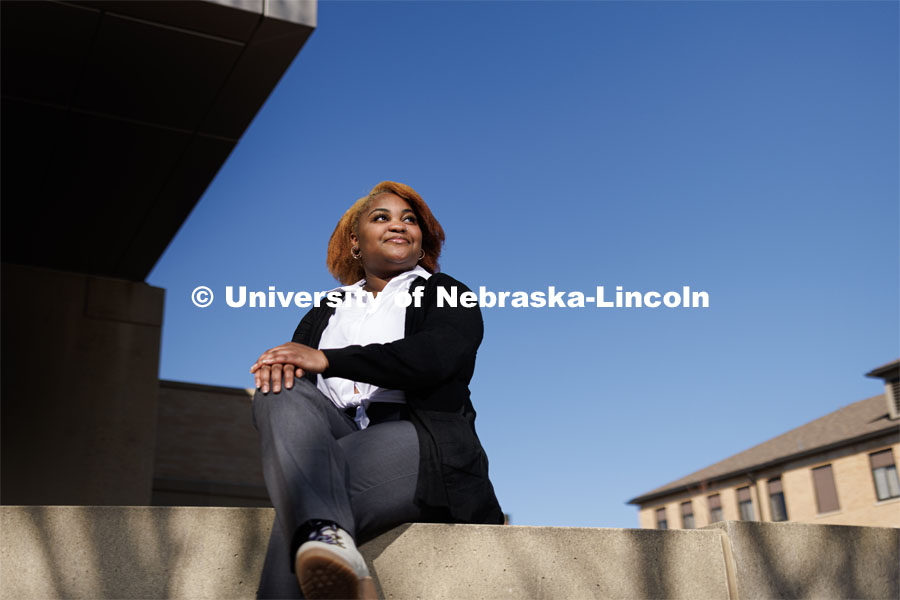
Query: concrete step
<point x="201" y="552"/>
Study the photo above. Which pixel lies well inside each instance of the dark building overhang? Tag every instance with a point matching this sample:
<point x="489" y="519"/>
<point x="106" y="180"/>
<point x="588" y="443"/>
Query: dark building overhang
<point x="116" y="116"/>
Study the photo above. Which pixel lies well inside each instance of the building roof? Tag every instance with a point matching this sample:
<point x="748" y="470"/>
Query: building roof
<point x="860" y="420"/>
<point x="887" y="371"/>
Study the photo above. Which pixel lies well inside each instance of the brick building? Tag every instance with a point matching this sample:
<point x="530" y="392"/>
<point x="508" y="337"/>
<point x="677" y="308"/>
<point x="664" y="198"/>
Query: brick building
<point x="207" y="450"/>
<point x="838" y="469"/>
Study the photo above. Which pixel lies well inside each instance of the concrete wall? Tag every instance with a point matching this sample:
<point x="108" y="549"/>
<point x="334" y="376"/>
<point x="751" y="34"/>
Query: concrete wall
<point x="448" y="562"/>
<point x="80" y="358"/>
<point x="853" y="480"/>
<point x="798" y="560"/>
<point x="156" y="552"/>
<point x="131" y="552"/>
<point x="85" y="419"/>
<point x="207" y="450"/>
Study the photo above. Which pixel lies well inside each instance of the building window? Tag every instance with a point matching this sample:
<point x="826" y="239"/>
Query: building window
<point x="687" y="515"/>
<point x="776" y="500"/>
<point x="715" y="508"/>
<point x="826" y="493"/>
<point x="885" y="473"/>
<point x="745" y="504"/>
<point x="661" y="522"/>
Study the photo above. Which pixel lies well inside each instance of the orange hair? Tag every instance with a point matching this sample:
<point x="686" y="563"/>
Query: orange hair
<point x="347" y="269"/>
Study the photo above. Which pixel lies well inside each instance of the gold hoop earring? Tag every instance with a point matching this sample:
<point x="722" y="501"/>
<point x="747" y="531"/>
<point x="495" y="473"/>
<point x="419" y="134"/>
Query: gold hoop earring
<point x="422" y="255"/>
<point x="357" y="254"/>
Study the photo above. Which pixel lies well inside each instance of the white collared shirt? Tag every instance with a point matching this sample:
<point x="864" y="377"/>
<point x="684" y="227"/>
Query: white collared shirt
<point x="363" y="318"/>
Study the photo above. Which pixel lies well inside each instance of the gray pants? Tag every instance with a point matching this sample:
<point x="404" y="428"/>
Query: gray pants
<point x="318" y="465"/>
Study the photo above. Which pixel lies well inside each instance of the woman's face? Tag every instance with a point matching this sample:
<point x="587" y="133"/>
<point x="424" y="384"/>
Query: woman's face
<point x="389" y="238"/>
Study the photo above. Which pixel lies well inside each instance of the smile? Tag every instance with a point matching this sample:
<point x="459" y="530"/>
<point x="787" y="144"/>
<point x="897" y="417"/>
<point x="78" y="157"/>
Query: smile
<point x="397" y="240"/>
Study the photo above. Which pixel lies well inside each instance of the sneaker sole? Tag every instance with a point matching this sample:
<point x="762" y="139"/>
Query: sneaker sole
<point x="324" y="576"/>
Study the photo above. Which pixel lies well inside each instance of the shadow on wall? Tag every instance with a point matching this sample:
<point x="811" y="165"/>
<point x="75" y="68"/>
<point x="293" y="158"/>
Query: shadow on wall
<point x="465" y="561"/>
<point x="181" y="552"/>
<point x="798" y="560"/>
<point x="132" y="552"/>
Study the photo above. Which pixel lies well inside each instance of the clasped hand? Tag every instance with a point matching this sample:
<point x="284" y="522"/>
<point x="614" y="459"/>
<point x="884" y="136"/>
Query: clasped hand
<point x="291" y="360"/>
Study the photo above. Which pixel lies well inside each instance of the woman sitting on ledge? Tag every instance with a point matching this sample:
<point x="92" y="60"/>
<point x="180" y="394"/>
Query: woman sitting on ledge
<point x="372" y="426"/>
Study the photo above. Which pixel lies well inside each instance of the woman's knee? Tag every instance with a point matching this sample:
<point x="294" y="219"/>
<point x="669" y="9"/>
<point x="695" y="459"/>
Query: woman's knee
<point x="295" y="399"/>
<point x="302" y="402"/>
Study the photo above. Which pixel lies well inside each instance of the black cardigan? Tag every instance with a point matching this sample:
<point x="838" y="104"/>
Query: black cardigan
<point x="433" y="364"/>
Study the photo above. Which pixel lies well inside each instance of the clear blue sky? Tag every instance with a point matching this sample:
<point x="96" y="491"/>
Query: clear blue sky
<point x="745" y="149"/>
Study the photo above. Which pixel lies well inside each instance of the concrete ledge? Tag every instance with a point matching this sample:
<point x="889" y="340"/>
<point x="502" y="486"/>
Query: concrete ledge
<point x="484" y="561"/>
<point x="131" y="552"/>
<point x="799" y="560"/>
<point x="201" y="552"/>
